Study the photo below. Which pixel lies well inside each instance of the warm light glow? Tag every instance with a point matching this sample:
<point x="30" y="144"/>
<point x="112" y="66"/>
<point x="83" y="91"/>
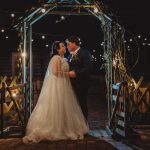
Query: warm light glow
<point x="23" y="54"/>
<point x="6" y="37"/>
<point x="43" y="37"/>
<point x="114" y="63"/>
<point x="143" y="44"/>
<point x="130" y="40"/>
<point x="46" y="45"/>
<point x="95" y="10"/>
<point x="102" y="43"/>
<point x="12" y="15"/>
<point x="131" y="84"/>
<point x="139" y="36"/>
<point x="62" y="17"/>
<point x="43" y="10"/>
<point x="2" y="30"/>
<point x="14" y="94"/>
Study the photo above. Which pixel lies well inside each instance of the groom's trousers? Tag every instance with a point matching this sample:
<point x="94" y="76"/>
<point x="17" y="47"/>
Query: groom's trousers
<point x="82" y="99"/>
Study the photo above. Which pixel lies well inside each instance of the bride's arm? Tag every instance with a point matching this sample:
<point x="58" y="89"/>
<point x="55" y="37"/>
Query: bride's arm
<point x="56" y="67"/>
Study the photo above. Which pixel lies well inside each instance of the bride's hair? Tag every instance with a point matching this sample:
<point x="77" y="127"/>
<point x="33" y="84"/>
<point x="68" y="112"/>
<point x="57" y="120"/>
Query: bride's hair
<point x="55" y="47"/>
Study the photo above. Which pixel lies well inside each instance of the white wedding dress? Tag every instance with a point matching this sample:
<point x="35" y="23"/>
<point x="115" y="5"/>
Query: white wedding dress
<point x="57" y="114"/>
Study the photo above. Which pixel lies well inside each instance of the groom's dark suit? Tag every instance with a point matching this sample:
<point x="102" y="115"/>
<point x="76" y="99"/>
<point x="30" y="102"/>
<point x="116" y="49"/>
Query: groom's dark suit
<point x="81" y="63"/>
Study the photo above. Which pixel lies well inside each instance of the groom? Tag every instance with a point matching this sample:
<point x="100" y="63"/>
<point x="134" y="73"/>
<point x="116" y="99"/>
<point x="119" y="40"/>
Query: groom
<point x="80" y="62"/>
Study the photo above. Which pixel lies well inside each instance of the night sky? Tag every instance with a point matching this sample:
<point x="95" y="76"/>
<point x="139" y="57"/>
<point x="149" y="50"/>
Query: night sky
<point x="131" y="14"/>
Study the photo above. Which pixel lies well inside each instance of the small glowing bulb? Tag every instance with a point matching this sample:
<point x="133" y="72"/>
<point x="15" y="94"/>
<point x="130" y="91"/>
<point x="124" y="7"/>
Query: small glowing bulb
<point x="6" y="37"/>
<point x="62" y="17"/>
<point x="95" y="10"/>
<point x="23" y="54"/>
<point x="46" y="45"/>
<point x="102" y="43"/>
<point x="32" y="40"/>
<point x="12" y="15"/>
<point x="114" y="63"/>
<point x="43" y="10"/>
<point x="43" y="37"/>
<point x="130" y="40"/>
<point x="145" y="39"/>
<point x="2" y="30"/>
<point x="143" y="44"/>
<point x="139" y="36"/>
<point x="14" y="94"/>
<point x="131" y="84"/>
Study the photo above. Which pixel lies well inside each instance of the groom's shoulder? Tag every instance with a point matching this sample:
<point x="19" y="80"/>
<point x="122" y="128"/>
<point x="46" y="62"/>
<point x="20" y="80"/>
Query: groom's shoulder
<point x="85" y="51"/>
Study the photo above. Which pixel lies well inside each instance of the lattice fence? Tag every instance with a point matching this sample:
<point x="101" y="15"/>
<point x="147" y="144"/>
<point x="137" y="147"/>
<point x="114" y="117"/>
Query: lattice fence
<point x="12" y="105"/>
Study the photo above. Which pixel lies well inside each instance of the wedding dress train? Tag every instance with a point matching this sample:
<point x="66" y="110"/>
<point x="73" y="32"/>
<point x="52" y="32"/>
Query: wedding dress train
<point x="57" y="114"/>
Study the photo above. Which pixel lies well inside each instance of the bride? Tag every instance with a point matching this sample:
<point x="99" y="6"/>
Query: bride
<point x="57" y="115"/>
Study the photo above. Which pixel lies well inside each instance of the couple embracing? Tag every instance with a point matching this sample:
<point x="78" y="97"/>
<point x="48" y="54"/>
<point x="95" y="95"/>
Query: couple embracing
<point x="61" y="110"/>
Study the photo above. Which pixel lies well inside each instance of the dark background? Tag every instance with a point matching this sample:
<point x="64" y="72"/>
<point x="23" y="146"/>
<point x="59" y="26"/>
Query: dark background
<point x="133" y="15"/>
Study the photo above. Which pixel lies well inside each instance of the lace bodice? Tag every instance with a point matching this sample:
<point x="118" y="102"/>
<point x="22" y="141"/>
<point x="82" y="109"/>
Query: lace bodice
<point x="64" y="65"/>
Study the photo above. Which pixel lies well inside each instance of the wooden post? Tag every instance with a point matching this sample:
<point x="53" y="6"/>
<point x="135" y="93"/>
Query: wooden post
<point x="126" y="106"/>
<point x="2" y="101"/>
<point x="25" y="109"/>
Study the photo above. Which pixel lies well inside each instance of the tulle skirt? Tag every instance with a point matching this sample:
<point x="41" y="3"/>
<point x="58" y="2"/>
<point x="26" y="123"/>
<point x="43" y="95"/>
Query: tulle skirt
<point x="57" y="114"/>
